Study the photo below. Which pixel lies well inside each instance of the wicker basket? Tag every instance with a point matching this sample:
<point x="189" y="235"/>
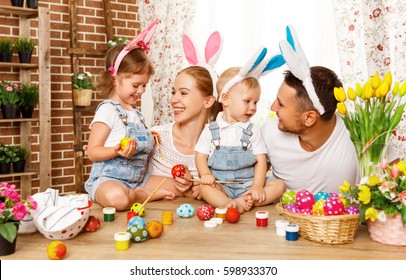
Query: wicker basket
<point x="391" y="232"/>
<point x="323" y="229"/>
<point x="82" y="97"/>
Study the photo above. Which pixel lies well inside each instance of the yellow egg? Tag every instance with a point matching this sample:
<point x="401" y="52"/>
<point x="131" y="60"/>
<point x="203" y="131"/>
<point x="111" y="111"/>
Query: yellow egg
<point x="124" y="142"/>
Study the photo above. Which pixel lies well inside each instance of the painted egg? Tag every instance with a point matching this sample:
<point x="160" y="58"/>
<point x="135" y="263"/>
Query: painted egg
<point x="205" y="212"/>
<point x="304" y="199"/>
<point x="318" y="206"/>
<point x="292" y="208"/>
<point x="333" y="206"/>
<point x="154" y="228"/>
<point x="138" y="221"/>
<point x="344" y="201"/>
<point x="185" y="210"/>
<point x="306" y="211"/>
<point x="321" y="195"/>
<point x="318" y="213"/>
<point x="333" y="194"/>
<point x="138" y="234"/>
<point x="352" y="210"/>
<point x="289" y="197"/>
<point x="135" y="207"/>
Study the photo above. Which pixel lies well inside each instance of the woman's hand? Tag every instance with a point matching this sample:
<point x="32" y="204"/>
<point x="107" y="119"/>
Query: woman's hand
<point x="184" y="183"/>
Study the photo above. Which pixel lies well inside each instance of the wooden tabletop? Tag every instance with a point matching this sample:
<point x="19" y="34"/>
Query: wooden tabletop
<point x="188" y="239"/>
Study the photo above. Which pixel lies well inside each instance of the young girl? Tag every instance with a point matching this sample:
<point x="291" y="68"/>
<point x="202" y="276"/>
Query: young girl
<point x="232" y="151"/>
<point x="118" y="171"/>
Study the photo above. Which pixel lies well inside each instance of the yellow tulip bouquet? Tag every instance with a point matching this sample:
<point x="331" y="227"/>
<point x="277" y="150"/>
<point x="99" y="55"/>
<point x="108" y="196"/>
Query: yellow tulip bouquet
<point x="374" y="112"/>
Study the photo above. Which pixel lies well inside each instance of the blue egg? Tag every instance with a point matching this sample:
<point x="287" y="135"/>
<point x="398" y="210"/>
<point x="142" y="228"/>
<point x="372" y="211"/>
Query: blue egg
<point x="137" y="221"/>
<point x="185" y="210"/>
<point x="321" y="195"/>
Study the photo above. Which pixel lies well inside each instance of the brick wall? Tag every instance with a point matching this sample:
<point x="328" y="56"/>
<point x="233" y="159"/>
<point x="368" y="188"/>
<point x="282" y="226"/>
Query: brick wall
<point x="91" y="35"/>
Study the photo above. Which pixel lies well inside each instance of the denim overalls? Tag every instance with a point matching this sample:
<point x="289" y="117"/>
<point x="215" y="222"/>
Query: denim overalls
<point x="232" y="163"/>
<point x="129" y="171"/>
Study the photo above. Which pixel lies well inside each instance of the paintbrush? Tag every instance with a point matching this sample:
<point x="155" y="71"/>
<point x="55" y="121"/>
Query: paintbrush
<point x="149" y="197"/>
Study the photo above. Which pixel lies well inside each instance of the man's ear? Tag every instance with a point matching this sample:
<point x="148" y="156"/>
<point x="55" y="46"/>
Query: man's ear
<point x="209" y="101"/>
<point x="309" y="118"/>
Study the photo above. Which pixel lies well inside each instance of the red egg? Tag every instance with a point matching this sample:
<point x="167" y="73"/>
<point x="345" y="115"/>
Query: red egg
<point x="205" y="212"/>
<point x="333" y="206"/>
<point x="304" y="199"/>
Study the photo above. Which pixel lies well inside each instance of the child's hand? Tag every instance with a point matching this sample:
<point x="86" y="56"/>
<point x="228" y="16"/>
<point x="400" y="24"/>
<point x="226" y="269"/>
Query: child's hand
<point x="257" y="193"/>
<point x="129" y="150"/>
<point x="207" y="179"/>
<point x="157" y="138"/>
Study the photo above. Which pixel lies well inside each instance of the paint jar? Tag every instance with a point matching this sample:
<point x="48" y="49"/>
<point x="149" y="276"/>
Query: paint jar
<point x="262" y="218"/>
<point x="280" y="227"/>
<point x="221" y="213"/>
<point x="219" y="221"/>
<point x="131" y="214"/>
<point x="122" y="240"/>
<point x="167" y="218"/>
<point x="109" y="214"/>
<point x="292" y="232"/>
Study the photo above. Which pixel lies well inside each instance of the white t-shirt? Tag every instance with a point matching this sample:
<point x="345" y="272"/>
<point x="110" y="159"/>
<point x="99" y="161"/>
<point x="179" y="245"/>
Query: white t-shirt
<point x="107" y="114"/>
<point x="162" y="166"/>
<point x="230" y="135"/>
<point x="322" y="170"/>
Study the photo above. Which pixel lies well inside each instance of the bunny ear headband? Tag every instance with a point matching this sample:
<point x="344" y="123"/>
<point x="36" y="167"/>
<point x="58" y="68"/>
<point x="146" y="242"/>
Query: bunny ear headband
<point x="299" y="65"/>
<point x="141" y="41"/>
<point x="212" y="53"/>
<point x="256" y="67"/>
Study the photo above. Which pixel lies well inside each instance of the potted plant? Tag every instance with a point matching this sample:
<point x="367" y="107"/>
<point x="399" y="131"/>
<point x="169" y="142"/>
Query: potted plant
<point x="32" y="4"/>
<point x="6" y="156"/>
<point x="6" y="50"/>
<point x="82" y="88"/>
<point x="116" y="41"/>
<point x="14" y="209"/>
<point x="381" y="199"/>
<point x="19" y="158"/>
<point x="9" y="98"/>
<point x="24" y="46"/>
<point x="17" y="3"/>
<point x="29" y="98"/>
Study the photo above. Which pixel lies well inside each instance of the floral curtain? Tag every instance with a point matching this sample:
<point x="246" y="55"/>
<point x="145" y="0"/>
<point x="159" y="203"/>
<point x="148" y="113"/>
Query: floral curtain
<point x="166" y="48"/>
<point x="371" y="38"/>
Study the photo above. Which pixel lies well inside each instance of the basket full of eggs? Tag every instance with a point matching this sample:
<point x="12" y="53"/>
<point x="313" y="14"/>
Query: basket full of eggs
<point x="322" y="217"/>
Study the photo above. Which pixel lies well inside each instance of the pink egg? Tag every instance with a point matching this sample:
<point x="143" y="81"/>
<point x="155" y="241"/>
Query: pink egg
<point x="306" y="211"/>
<point x="333" y="206"/>
<point x="304" y="199"/>
<point x="205" y="212"/>
<point x="352" y="210"/>
<point x="292" y="208"/>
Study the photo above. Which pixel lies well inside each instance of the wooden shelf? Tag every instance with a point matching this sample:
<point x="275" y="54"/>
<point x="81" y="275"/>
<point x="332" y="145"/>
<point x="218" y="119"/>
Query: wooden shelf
<point x="20" y="11"/>
<point x="18" y="65"/>
<point x="19" y="120"/>
<point x="28" y="172"/>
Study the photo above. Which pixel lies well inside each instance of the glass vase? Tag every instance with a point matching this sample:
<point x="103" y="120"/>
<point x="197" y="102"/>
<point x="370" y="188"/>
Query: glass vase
<point x="369" y="157"/>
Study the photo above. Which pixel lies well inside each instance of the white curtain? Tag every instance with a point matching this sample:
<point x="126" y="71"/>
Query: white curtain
<point x="166" y="49"/>
<point x="371" y="37"/>
<point x="248" y="24"/>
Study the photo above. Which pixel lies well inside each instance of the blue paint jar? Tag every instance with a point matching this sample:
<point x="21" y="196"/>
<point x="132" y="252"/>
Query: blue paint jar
<point x="292" y="232"/>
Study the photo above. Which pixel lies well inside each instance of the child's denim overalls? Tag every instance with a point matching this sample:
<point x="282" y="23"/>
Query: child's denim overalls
<point x="129" y="171"/>
<point x="232" y="163"/>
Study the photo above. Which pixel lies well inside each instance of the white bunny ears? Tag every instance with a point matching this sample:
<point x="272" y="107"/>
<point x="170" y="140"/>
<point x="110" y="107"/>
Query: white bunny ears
<point x="141" y="41"/>
<point x="299" y="65"/>
<point x="256" y="67"/>
<point x="212" y="53"/>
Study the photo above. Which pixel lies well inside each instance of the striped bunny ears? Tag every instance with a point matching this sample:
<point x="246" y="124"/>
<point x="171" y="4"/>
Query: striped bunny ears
<point x="212" y="53"/>
<point x="141" y="41"/>
<point x="256" y="67"/>
<point x="299" y="66"/>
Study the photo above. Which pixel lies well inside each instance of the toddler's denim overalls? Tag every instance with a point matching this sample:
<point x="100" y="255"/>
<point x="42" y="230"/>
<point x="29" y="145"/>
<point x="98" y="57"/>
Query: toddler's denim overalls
<point x="129" y="171"/>
<point x="234" y="163"/>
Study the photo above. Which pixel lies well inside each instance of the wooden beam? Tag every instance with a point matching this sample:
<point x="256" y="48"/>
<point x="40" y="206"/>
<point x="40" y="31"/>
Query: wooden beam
<point x="108" y="20"/>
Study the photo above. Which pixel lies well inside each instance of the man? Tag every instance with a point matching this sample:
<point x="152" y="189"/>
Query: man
<point x="306" y="149"/>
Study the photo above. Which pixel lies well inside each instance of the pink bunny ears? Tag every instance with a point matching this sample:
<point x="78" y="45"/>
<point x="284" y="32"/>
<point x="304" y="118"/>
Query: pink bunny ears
<point x="212" y="53"/>
<point x="299" y="66"/>
<point x="141" y="41"/>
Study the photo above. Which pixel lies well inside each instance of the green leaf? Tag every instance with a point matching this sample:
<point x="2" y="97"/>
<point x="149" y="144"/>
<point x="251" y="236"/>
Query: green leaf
<point x="9" y="231"/>
<point x="403" y="213"/>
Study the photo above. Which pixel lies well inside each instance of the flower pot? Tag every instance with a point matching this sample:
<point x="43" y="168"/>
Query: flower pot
<point x="7" y="248"/>
<point x="24" y="57"/>
<point x="10" y="111"/>
<point x="32" y="4"/>
<point x="82" y="97"/>
<point x="391" y="232"/>
<point x="17" y="3"/>
<point x="26" y="111"/>
<point x="5" y="168"/>
<point x="6" y="57"/>
<point x="19" y="166"/>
